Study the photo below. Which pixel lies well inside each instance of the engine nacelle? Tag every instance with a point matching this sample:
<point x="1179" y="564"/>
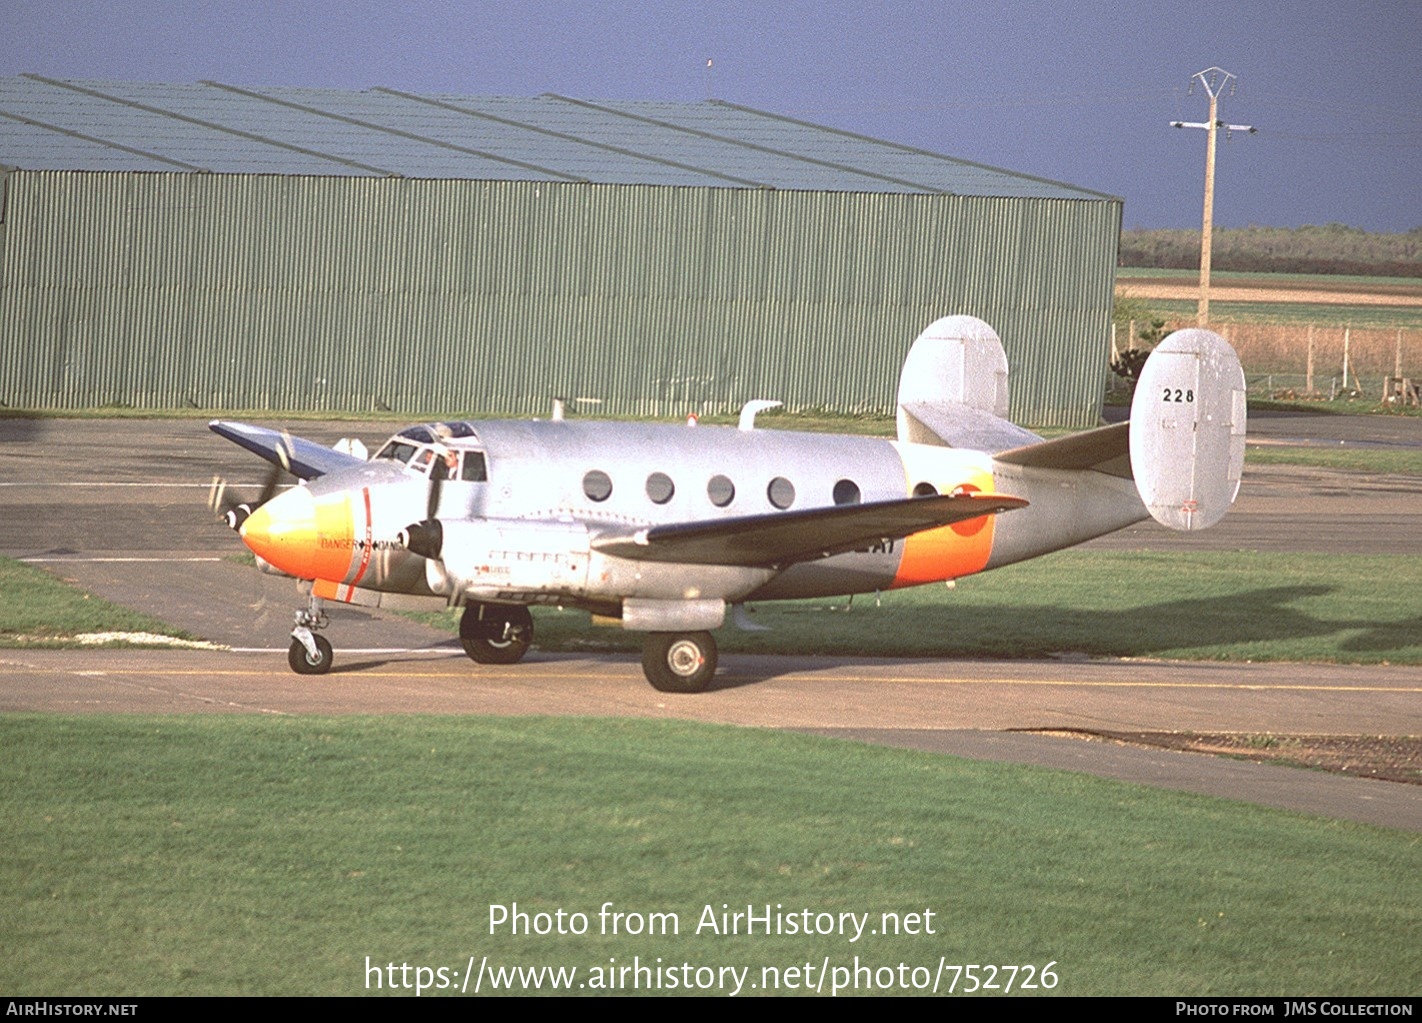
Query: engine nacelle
<point x="510" y="559"/>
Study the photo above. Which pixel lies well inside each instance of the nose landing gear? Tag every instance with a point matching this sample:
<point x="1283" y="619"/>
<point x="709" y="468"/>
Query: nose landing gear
<point x="309" y="653"/>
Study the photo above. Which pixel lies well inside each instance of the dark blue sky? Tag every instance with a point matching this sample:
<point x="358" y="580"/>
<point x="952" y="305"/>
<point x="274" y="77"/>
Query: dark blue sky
<point x="1078" y="92"/>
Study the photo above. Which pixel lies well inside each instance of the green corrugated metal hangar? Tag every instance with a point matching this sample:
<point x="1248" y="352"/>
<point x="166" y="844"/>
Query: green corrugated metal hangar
<point x="280" y="249"/>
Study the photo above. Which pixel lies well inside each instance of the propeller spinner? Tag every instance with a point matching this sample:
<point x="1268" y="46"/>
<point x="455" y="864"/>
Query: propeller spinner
<point x="231" y="507"/>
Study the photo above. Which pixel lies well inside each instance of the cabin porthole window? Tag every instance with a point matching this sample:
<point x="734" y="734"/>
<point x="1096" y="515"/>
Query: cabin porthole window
<point x="660" y="488"/>
<point x="846" y="492"/>
<point x="721" y="490"/>
<point x="597" y="485"/>
<point x="781" y="492"/>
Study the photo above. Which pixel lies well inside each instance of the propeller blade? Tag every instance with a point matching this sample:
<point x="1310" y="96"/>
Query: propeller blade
<point x="285" y="450"/>
<point x="437" y="474"/>
<point x="439" y="470"/>
<point x="231" y="507"/>
<point x="216" y="495"/>
<point x="269" y="485"/>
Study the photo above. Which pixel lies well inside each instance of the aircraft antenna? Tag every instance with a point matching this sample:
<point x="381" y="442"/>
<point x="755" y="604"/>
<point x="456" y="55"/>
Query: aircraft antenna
<point x="1213" y="80"/>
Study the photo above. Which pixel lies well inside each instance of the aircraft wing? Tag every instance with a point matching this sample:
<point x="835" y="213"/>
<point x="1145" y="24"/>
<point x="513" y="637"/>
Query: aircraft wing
<point x="783" y="538"/>
<point x="304" y="459"/>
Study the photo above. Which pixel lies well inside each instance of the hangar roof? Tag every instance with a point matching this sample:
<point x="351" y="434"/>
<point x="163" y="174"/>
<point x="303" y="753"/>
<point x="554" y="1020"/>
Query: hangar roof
<point x="50" y="124"/>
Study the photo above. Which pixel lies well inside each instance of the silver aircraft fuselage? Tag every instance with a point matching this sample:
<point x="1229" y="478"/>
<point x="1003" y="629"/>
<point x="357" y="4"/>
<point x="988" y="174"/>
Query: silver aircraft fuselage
<point x="528" y="500"/>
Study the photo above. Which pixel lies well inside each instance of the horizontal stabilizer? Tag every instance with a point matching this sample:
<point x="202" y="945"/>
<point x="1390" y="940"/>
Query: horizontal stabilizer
<point x="304" y="459"/>
<point x="962" y="426"/>
<point x="784" y="538"/>
<point x="1106" y="450"/>
<point x="953" y="389"/>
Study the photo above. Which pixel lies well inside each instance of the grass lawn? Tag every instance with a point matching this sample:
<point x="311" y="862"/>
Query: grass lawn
<point x="1380" y="461"/>
<point x="38" y="610"/>
<point x="253" y="855"/>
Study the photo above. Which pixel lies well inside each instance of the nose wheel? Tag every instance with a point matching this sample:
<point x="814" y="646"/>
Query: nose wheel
<point x="306" y="662"/>
<point x="309" y="653"/>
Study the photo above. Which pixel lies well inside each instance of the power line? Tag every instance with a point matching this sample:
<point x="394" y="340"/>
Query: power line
<point x="1213" y="80"/>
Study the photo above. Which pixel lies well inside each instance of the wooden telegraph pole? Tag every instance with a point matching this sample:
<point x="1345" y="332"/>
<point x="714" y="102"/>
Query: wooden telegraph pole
<point x="1213" y="80"/>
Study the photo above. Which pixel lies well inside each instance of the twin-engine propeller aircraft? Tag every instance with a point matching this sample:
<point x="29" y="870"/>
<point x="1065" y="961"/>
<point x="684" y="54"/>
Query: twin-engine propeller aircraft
<point x="660" y="527"/>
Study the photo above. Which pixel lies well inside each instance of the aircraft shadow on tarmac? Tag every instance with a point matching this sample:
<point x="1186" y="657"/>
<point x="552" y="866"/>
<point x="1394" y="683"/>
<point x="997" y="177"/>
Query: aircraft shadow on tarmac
<point x="1172" y="628"/>
<point x="356" y="667"/>
<point x="1145" y="629"/>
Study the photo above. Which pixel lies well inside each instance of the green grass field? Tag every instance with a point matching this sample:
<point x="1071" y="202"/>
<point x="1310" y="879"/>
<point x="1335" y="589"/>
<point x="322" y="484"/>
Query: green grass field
<point x="1384" y="461"/>
<point x="1324" y="314"/>
<point x="257" y="855"/>
<point x="1297" y="280"/>
<point x="38" y="610"/>
<point x="1379" y="316"/>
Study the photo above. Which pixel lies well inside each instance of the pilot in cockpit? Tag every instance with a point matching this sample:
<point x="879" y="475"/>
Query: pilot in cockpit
<point x="446" y="468"/>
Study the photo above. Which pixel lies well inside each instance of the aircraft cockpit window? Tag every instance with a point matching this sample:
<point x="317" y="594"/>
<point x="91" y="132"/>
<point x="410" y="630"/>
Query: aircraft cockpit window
<point x="721" y="490"/>
<point x="417" y="433"/>
<point x="475" y="470"/>
<point x="421" y="462"/>
<point x="925" y="490"/>
<point x="397" y="451"/>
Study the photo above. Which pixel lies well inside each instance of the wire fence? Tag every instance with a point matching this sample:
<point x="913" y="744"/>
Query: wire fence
<point x="1285" y="387"/>
<point x="1298" y="361"/>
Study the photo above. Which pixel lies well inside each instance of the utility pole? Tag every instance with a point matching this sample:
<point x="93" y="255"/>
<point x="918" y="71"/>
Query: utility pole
<point x="1213" y="80"/>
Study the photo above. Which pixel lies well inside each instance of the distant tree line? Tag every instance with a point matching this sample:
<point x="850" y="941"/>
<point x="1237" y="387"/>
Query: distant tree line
<point x="1330" y="249"/>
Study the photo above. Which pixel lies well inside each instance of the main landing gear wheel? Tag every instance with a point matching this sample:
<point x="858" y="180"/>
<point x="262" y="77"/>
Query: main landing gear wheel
<point x="496" y="633"/>
<point x="679" y="662"/>
<point x="303" y="663"/>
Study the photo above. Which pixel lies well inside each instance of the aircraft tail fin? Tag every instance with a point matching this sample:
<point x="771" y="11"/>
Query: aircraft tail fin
<point x="953" y="389"/>
<point x="1187" y="430"/>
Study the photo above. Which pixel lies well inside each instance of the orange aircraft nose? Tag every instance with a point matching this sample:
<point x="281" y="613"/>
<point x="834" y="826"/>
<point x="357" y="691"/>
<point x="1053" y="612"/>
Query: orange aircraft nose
<point x="305" y="536"/>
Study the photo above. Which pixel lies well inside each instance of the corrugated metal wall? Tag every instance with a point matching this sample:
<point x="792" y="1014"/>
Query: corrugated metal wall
<point x="459" y="297"/>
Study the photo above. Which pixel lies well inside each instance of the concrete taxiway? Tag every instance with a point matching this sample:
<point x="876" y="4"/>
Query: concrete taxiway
<point x="965" y="708"/>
